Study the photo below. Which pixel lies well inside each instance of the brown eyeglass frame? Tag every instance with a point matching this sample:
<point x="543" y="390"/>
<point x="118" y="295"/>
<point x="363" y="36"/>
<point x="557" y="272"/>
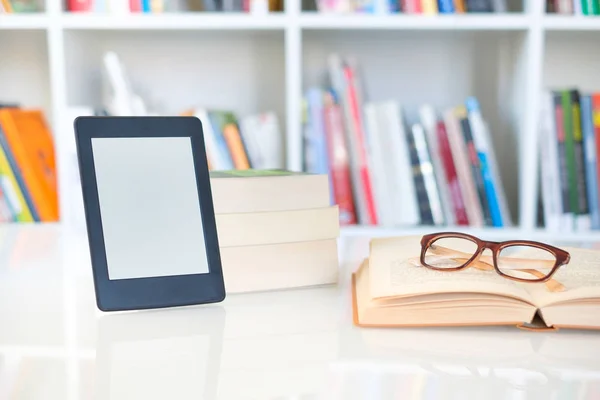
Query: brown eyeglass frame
<point x="562" y="256"/>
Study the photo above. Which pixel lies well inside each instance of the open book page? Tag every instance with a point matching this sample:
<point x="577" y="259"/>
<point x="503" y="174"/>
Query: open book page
<point x="394" y="270"/>
<point x="581" y="279"/>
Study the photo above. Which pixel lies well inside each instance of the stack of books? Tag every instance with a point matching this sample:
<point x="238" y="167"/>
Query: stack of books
<point x="162" y="6"/>
<point x="276" y="229"/>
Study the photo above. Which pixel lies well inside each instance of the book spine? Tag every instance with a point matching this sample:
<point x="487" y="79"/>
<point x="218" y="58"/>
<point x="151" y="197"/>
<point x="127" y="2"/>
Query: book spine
<point x="357" y="122"/>
<point x="216" y="119"/>
<point x="429" y="122"/>
<point x="377" y="161"/>
<point x="549" y="163"/>
<point x="339" y="164"/>
<point x="135" y="6"/>
<point x="429" y="6"/>
<point x="559" y="115"/>
<point x="567" y="108"/>
<point x="578" y="7"/>
<point x="596" y="125"/>
<point x="499" y="6"/>
<point x="19" y="180"/>
<point x="411" y="6"/>
<point x="550" y="6"/>
<point x="475" y="164"/>
<point x="446" y="6"/>
<point x="483" y="149"/>
<point x="596" y="7"/>
<point x="583" y="217"/>
<point x="479" y="6"/>
<point x="463" y="169"/>
<point x="587" y="7"/>
<point x="425" y="211"/>
<point x="316" y="140"/>
<point x="565" y="6"/>
<point x="79" y="5"/>
<point x="589" y="141"/>
<point x="146" y="6"/>
<point x="460" y="213"/>
<point x="433" y="193"/>
<point x="460" y="7"/>
<point x="236" y="147"/>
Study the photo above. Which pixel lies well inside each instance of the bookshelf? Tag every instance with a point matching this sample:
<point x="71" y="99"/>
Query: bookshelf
<point x="252" y="63"/>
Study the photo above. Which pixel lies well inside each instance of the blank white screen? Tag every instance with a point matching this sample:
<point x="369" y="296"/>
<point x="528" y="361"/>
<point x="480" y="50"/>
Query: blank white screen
<point x="149" y="207"/>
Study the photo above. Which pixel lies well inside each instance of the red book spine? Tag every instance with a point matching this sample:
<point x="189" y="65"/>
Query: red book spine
<point x="412" y="6"/>
<point x="79" y="5"/>
<point x="458" y="203"/>
<point x="246" y="5"/>
<point x="339" y="164"/>
<point x="135" y="5"/>
<point x="365" y="175"/>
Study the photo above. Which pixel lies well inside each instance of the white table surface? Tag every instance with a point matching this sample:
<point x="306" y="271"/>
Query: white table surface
<point x="297" y="344"/>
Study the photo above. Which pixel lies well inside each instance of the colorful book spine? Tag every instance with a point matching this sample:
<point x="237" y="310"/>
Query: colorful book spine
<point x="339" y="163"/>
<point x="356" y="119"/>
<point x="561" y="137"/>
<point x="146" y="6"/>
<point x="564" y="6"/>
<point x="462" y="115"/>
<point x="483" y="149"/>
<point x="22" y="202"/>
<point x="446" y="6"/>
<point x="583" y="218"/>
<point x="425" y="211"/>
<point x="135" y="6"/>
<point x="460" y="6"/>
<point x="217" y="122"/>
<point x="460" y="212"/>
<point x="235" y="145"/>
<point x="549" y="165"/>
<point x="429" y="7"/>
<point x="79" y="5"/>
<point x="411" y="6"/>
<point x="596" y="123"/>
<point x="589" y="140"/>
<point x="315" y="141"/>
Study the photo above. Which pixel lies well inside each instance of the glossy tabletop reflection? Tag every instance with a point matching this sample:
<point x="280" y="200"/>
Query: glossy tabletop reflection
<point x="297" y="344"/>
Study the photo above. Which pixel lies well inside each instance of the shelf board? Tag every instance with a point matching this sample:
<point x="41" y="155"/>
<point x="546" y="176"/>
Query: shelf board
<point x="484" y="233"/>
<point x="571" y="23"/>
<point x="23" y="21"/>
<point x="183" y="21"/>
<point x="411" y="22"/>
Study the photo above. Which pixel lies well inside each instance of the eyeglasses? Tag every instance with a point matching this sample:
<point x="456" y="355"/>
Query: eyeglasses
<point x="519" y="260"/>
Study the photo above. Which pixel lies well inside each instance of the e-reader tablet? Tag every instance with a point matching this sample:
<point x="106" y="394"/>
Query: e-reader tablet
<point x="149" y="212"/>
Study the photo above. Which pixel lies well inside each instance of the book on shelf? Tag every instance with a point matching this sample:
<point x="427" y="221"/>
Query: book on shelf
<point x="19" y="6"/>
<point x="120" y="7"/>
<point x="391" y="289"/>
<point x="427" y="7"/>
<point x="388" y="170"/>
<point x="28" y="183"/>
<point x="569" y="137"/>
<point x="573" y="7"/>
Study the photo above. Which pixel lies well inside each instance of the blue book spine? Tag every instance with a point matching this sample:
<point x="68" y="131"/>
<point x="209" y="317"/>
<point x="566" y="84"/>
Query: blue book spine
<point x="482" y="147"/>
<point x="589" y="140"/>
<point x="146" y="6"/>
<point x="317" y="139"/>
<point x="446" y="6"/>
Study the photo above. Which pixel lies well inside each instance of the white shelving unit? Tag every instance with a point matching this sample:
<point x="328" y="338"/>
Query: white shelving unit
<point x="252" y="63"/>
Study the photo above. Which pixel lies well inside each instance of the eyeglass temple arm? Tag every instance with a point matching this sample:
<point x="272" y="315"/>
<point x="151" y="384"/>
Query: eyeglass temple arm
<point x="485" y="263"/>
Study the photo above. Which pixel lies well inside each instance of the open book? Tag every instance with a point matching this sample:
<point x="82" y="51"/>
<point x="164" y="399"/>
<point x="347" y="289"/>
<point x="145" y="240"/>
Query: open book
<point x="391" y="289"/>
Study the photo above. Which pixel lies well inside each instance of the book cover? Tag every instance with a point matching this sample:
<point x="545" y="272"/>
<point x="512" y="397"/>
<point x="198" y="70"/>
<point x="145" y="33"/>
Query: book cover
<point x="561" y="138"/>
<point x="589" y="141"/>
<point x="460" y="213"/>
<point x="339" y="163"/>
<point x="217" y="121"/>
<point x="12" y="189"/>
<point x="235" y="145"/>
<point x="462" y="115"/>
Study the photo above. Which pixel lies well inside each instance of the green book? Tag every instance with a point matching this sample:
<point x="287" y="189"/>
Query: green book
<point x="590" y="7"/>
<point x="567" y="109"/>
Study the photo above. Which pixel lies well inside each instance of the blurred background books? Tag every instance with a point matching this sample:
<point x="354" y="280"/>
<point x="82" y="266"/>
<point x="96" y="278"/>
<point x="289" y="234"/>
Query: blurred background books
<point x="422" y="113"/>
